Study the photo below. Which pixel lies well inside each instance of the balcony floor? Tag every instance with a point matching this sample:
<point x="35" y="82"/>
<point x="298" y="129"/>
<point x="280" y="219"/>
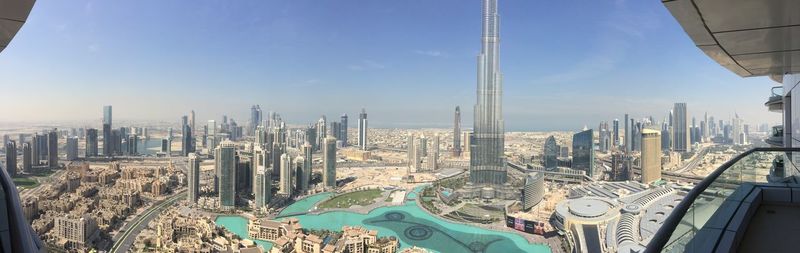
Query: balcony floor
<point x="773" y="228"/>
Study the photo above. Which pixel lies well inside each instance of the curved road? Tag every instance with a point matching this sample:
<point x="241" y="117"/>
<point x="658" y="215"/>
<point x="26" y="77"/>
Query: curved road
<point x="124" y="240"/>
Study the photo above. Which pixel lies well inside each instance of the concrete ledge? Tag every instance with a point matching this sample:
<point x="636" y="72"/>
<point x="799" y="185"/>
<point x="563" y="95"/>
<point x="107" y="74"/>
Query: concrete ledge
<point x="796" y="195"/>
<point x="723" y="214"/>
<point x="704" y="240"/>
<point x="742" y="192"/>
<point x="727" y="242"/>
<point x="755" y="196"/>
<point x="777" y="194"/>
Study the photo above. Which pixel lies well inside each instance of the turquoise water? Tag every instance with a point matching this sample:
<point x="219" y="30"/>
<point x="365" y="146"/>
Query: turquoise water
<point x="238" y="226"/>
<point x="304" y="205"/>
<point x="413" y="194"/>
<point x="412" y="226"/>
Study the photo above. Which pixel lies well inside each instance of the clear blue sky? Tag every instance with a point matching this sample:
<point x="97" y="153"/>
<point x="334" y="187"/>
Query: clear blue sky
<point x="409" y="63"/>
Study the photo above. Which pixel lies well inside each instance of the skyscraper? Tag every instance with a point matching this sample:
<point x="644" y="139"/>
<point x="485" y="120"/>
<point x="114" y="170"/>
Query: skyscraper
<point x="329" y="163"/>
<point x="423" y="145"/>
<point x="107" y="115"/>
<point x="212" y="134"/>
<point x="738" y="135"/>
<point x="259" y="159"/>
<point x="191" y="122"/>
<point x="297" y="169"/>
<point x="605" y="137"/>
<point x="166" y="146"/>
<point x="275" y="158"/>
<point x="133" y="144"/>
<point x="616" y="133"/>
<point x="410" y="152"/>
<point x="11" y="158"/>
<point x="343" y="130"/>
<point x="225" y="162"/>
<point x="433" y="155"/>
<point x="52" y="148"/>
<point x="187" y="144"/>
<point x="108" y="146"/>
<point x="322" y="131"/>
<point x="583" y="152"/>
<point x="26" y="157"/>
<point x="304" y="178"/>
<point x="91" y="142"/>
<point x="194" y="178"/>
<point x="457" y="133"/>
<point x="286" y="175"/>
<point x="255" y="118"/>
<point x="651" y="156"/>
<point x="550" y="158"/>
<point x="693" y="136"/>
<point x="72" y="148"/>
<point x="665" y="137"/>
<point x="627" y="135"/>
<point x="335" y="131"/>
<point x="705" y="125"/>
<point x="362" y="129"/>
<point x="263" y="185"/>
<point x="487" y="161"/>
<point x="680" y="128"/>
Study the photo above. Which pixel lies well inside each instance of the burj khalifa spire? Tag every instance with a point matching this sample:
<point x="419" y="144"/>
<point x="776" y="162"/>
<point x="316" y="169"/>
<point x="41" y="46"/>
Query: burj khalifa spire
<point x="487" y="161"/>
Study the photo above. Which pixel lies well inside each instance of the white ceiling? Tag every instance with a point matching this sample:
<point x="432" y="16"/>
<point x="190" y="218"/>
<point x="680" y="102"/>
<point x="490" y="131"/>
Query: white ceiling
<point x="13" y="14"/>
<point x="749" y="37"/>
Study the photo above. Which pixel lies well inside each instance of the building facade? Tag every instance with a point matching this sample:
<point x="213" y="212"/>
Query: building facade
<point x="362" y="130"/>
<point x="651" y="156"/>
<point x="583" y="152"/>
<point x="329" y="163"/>
<point x="487" y="157"/>
<point x="225" y="162"/>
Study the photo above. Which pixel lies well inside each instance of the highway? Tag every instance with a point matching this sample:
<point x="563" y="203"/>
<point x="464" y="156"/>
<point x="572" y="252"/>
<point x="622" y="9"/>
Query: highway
<point x="695" y="160"/>
<point x="124" y="239"/>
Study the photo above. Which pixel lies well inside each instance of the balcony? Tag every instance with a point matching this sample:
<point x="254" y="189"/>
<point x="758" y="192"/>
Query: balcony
<point x="775" y="101"/>
<point x="745" y="205"/>
<point x="775" y="139"/>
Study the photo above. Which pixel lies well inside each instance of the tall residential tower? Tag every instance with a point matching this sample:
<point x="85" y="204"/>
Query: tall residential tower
<point x="680" y="120"/>
<point x="362" y="130"/>
<point x="457" y="133"/>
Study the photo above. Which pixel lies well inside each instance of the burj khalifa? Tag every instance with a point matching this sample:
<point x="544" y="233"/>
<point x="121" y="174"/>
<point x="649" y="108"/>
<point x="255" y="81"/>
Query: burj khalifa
<point x="487" y="161"/>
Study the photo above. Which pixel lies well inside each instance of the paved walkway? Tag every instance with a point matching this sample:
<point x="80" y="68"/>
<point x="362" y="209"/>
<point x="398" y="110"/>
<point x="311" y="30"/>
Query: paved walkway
<point x="451" y="209"/>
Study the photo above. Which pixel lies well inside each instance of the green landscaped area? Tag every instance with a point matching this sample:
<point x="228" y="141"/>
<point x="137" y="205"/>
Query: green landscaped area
<point x="25" y="182"/>
<point x="361" y="198"/>
<point x="305" y="204"/>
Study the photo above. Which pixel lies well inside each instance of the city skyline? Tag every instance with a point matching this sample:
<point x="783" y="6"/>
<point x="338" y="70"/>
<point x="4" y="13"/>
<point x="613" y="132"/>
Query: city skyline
<point x="603" y="64"/>
<point x="101" y="150"/>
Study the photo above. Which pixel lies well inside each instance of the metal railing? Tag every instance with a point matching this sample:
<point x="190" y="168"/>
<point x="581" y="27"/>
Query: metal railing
<point x="689" y="216"/>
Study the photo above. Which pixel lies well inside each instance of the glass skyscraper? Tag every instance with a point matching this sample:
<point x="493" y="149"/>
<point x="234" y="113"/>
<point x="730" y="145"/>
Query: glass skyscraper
<point x="680" y="128"/>
<point x="225" y="155"/>
<point x="487" y="161"/>
<point x="362" y="130"/>
<point x="550" y="153"/>
<point x="457" y="133"/>
<point x="583" y="152"/>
